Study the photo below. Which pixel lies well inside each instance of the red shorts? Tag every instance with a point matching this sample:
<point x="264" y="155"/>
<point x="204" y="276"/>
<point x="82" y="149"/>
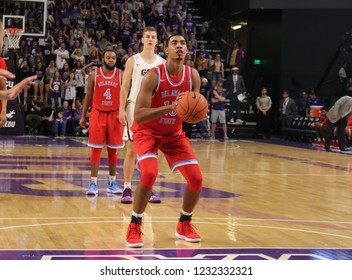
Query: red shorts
<point x="176" y="148"/>
<point x="105" y="128"/>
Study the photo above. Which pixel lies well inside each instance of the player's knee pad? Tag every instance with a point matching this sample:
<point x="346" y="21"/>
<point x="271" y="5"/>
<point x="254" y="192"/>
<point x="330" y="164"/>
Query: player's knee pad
<point x="112" y="156"/>
<point x="95" y="156"/>
<point x="193" y="176"/>
<point x="149" y="171"/>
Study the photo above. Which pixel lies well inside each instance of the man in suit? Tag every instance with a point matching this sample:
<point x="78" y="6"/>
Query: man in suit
<point x="337" y="118"/>
<point x="235" y="86"/>
<point x="287" y="109"/>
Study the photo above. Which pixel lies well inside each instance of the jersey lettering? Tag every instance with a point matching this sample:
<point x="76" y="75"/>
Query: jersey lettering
<point x="144" y="71"/>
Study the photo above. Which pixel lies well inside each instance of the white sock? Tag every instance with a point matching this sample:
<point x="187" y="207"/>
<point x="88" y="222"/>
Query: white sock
<point x="94" y="179"/>
<point x="112" y="179"/>
<point x="126" y="185"/>
<point x="137" y="215"/>
<point x="186" y="213"/>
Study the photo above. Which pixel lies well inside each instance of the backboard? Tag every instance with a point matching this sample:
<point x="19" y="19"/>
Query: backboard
<point x="30" y="15"/>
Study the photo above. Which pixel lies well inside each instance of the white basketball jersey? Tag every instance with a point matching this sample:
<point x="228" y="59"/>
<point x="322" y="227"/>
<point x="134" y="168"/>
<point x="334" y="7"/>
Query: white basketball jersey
<point x="140" y="68"/>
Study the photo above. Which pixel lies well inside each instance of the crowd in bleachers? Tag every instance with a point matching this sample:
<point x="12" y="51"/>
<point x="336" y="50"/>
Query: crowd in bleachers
<point x="78" y="34"/>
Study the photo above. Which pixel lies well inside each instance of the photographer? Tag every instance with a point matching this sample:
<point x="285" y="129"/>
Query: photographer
<point x="33" y="114"/>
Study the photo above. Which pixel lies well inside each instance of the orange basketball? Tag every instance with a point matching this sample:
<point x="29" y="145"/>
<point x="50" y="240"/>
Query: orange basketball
<point x="192" y="107"/>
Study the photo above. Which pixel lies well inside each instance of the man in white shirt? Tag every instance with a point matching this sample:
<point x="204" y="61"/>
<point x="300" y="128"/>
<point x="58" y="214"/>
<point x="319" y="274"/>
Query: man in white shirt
<point x="62" y="55"/>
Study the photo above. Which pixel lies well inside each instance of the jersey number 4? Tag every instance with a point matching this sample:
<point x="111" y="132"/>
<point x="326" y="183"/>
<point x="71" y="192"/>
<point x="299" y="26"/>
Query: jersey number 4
<point x="107" y="94"/>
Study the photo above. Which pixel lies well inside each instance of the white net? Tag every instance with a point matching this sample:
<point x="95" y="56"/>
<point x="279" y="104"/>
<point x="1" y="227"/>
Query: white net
<point x="14" y="36"/>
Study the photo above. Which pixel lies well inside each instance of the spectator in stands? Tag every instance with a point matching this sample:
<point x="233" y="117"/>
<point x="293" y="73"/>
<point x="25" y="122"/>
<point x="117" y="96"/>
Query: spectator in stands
<point x="342" y="78"/>
<point x="337" y="118"/>
<point x="23" y="72"/>
<point x="33" y="115"/>
<point x="312" y="100"/>
<point x="39" y="81"/>
<point x="205" y="30"/>
<point x="202" y="65"/>
<point x="49" y="74"/>
<point x="55" y="90"/>
<point x="190" y="25"/>
<point x="78" y="56"/>
<point x="202" y="49"/>
<point x="321" y="126"/>
<point x="237" y="54"/>
<point x="93" y="51"/>
<point x="59" y="124"/>
<point x="65" y="72"/>
<point x="287" y="109"/>
<point x="174" y="24"/>
<point x="235" y="86"/>
<point x="77" y="109"/>
<point x="79" y="77"/>
<point x="263" y="104"/>
<point x="62" y="55"/>
<point x="205" y="91"/>
<point x="102" y="44"/>
<point x="192" y="37"/>
<point x="218" y="110"/>
<point x="192" y="53"/>
<point x="217" y="68"/>
<point x="302" y="104"/>
<point x="205" y="88"/>
<point x="70" y="89"/>
<point x="21" y="53"/>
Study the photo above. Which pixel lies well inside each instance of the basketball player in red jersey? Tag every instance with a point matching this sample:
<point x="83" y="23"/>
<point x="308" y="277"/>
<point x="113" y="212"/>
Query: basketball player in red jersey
<point x="103" y="95"/>
<point x="160" y="128"/>
<point x="4" y="74"/>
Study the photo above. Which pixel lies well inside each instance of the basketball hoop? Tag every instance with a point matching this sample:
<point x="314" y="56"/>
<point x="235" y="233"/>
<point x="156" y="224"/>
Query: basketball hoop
<point x="14" y="36"/>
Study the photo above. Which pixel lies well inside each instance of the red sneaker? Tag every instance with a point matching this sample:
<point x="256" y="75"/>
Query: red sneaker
<point x="335" y="144"/>
<point x="133" y="236"/>
<point x="186" y="231"/>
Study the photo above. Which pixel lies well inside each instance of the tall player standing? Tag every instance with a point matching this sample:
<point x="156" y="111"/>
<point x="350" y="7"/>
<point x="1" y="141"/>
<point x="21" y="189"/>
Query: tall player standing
<point x="103" y="95"/>
<point x="136" y="67"/>
<point x="160" y="128"/>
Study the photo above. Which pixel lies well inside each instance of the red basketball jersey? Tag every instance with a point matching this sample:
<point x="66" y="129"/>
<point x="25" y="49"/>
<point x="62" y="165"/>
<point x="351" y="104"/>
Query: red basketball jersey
<point x="165" y="94"/>
<point x="2" y="66"/>
<point x="106" y="96"/>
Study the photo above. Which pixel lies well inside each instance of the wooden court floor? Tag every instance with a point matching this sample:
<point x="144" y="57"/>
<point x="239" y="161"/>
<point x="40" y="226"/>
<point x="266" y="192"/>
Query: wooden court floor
<point x="260" y="200"/>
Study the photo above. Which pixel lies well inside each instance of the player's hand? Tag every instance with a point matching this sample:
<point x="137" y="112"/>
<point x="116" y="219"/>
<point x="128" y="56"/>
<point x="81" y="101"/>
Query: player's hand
<point x="123" y="117"/>
<point x="82" y="122"/>
<point x="4" y="75"/>
<point x="26" y="83"/>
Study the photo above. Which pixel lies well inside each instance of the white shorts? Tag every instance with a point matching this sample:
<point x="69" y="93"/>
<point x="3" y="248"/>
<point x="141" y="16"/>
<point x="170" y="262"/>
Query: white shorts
<point x="127" y="133"/>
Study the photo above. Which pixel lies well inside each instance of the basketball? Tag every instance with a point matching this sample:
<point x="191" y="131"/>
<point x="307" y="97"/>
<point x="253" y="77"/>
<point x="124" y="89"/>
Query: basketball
<point x="192" y="107"/>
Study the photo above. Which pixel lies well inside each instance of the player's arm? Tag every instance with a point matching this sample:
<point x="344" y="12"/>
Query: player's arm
<point x="88" y="99"/>
<point x="3" y="117"/>
<point x="195" y="80"/>
<point x="143" y="112"/>
<point x="125" y="88"/>
<point x="13" y="92"/>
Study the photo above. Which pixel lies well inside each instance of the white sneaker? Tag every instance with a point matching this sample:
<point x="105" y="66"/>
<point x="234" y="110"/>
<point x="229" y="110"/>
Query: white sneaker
<point x="239" y="121"/>
<point x="231" y="120"/>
